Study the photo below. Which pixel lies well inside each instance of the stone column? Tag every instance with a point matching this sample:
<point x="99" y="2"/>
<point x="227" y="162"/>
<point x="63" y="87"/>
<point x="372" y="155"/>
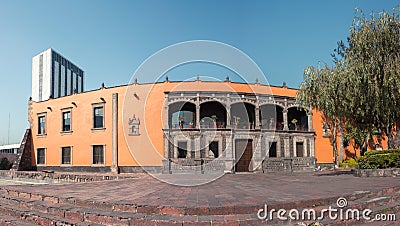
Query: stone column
<point x="197" y="146"/>
<point x="312" y="148"/>
<point x="257" y="115"/>
<point x="228" y="116"/>
<point x="228" y="111"/>
<point x="175" y="150"/>
<point x="285" y="119"/>
<point x="166" y="145"/>
<point x="198" y="111"/>
<point x="286" y="143"/>
<point x="166" y="113"/>
<point x="206" y="146"/>
<point x="197" y="116"/>
<point x="114" y="164"/>
<point x="257" y="118"/>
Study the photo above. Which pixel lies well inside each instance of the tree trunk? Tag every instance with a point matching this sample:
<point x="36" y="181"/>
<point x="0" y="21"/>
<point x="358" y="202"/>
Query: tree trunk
<point x="341" y="157"/>
<point x="334" y="146"/>
<point x="393" y="140"/>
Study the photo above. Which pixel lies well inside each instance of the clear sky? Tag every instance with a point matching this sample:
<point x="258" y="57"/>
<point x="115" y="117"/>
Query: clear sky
<point x="110" y="39"/>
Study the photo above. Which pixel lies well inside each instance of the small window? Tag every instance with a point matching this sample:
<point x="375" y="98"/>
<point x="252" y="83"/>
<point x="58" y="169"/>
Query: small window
<point x="214" y="149"/>
<point x="98" y="117"/>
<point x="66" y="155"/>
<point x="66" y="121"/>
<point x="98" y="154"/>
<point x="182" y="149"/>
<point x="272" y="150"/>
<point x="41" y="125"/>
<point x="299" y="149"/>
<point x="41" y="156"/>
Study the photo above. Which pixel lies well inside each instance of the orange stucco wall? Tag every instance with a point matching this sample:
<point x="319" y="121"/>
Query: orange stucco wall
<point x="146" y="102"/>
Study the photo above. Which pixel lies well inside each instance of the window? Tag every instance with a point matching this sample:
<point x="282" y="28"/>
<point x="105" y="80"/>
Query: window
<point x="66" y="155"/>
<point x="41" y="125"/>
<point x="182" y="149"/>
<point x="299" y="149"/>
<point x="98" y="154"/>
<point x="98" y="117"/>
<point x="214" y="149"/>
<point x="272" y="150"/>
<point x="41" y="156"/>
<point x="66" y="121"/>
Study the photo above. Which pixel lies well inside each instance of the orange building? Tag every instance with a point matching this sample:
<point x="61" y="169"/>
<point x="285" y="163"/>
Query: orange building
<point x="177" y="127"/>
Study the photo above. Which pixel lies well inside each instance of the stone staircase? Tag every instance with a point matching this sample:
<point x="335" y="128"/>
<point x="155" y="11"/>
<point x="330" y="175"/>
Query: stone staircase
<point x="20" y="207"/>
<point x="24" y="155"/>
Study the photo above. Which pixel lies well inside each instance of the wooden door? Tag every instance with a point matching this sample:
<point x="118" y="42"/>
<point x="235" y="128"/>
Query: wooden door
<point x="244" y="154"/>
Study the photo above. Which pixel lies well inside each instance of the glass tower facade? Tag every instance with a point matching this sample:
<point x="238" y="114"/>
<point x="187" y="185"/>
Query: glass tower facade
<point x="66" y="77"/>
<point x="54" y="76"/>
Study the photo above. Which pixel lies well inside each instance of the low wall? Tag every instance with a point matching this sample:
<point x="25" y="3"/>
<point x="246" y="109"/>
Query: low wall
<point x="293" y="164"/>
<point x="394" y="172"/>
<point x="59" y="176"/>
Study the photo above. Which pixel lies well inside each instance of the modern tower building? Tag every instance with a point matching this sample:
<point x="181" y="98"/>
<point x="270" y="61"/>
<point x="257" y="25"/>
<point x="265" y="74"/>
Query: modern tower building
<point x="54" y="76"/>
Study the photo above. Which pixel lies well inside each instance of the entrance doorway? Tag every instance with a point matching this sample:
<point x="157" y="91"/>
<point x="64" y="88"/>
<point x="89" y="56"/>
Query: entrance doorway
<point x="272" y="150"/>
<point x="243" y="154"/>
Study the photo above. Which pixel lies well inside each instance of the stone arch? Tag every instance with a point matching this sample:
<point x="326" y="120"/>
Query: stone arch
<point x="182" y="115"/>
<point x="271" y="116"/>
<point x="243" y="115"/>
<point x="212" y="114"/>
<point x="297" y="118"/>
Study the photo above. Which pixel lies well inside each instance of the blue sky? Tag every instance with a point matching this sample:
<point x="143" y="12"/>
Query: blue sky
<point x="110" y="39"/>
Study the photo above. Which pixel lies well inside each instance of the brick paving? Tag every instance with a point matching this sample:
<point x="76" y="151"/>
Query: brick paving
<point x="139" y="199"/>
<point x="239" y="190"/>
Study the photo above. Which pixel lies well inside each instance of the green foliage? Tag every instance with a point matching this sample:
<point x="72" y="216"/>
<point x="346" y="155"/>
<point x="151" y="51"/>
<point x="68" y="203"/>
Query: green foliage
<point x="349" y="163"/>
<point x="5" y="164"/>
<point x="362" y="88"/>
<point x="380" y="159"/>
<point x="354" y="136"/>
<point x="380" y="152"/>
<point x="372" y="68"/>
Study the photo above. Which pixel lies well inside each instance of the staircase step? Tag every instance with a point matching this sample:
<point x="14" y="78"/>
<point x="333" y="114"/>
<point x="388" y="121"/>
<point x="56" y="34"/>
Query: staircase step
<point x="36" y="217"/>
<point x="12" y="221"/>
<point x="383" y="204"/>
<point x="40" y="211"/>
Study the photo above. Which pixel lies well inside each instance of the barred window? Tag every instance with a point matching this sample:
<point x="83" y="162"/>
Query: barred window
<point x="98" y="117"/>
<point x="41" y="125"/>
<point x="41" y="156"/>
<point x="66" y="155"/>
<point x="98" y="154"/>
<point x="66" y="121"/>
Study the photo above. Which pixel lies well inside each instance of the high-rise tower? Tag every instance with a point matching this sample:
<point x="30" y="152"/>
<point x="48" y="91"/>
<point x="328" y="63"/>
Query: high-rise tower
<point x="54" y="76"/>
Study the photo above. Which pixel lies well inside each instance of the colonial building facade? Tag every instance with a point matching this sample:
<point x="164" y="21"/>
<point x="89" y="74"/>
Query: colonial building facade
<point x="178" y="127"/>
<point x="237" y="132"/>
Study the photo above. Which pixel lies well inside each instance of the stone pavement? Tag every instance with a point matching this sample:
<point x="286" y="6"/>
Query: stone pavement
<point x="230" y="195"/>
<point x="231" y="189"/>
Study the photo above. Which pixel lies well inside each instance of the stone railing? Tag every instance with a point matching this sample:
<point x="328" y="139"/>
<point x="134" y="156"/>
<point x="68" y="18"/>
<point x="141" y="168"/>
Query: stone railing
<point x="293" y="164"/>
<point x="393" y="172"/>
<point x="58" y="177"/>
<point x="199" y="166"/>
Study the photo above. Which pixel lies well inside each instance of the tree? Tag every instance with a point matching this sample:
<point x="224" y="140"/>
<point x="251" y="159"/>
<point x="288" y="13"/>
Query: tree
<point x="363" y="86"/>
<point x="372" y="66"/>
<point x="5" y="164"/>
<point x="324" y="90"/>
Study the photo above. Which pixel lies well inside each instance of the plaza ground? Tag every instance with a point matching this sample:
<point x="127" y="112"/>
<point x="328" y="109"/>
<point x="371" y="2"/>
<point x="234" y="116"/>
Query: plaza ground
<point x="233" y="199"/>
